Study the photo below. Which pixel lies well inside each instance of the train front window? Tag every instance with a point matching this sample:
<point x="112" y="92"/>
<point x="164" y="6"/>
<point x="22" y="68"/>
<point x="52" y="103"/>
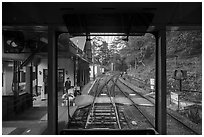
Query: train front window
<point x="121" y="90"/>
<point x="184" y="78"/>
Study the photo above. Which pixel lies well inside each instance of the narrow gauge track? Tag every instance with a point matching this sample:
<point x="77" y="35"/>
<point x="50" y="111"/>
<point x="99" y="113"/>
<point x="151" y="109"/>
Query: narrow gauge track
<point x="134" y="104"/>
<point x="106" y="113"/>
<point x="178" y="121"/>
<point x="82" y="117"/>
<point x="102" y="115"/>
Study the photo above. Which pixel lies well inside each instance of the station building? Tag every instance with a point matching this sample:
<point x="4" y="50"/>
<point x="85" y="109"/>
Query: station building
<point x="25" y="71"/>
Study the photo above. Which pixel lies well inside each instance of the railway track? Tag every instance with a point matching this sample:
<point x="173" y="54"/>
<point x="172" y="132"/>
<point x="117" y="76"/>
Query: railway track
<point x="106" y="113"/>
<point x="170" y="116"/>
<point x="103" y="115"/>
<point x="115" y="106"/>
<point x="150" y="121"/>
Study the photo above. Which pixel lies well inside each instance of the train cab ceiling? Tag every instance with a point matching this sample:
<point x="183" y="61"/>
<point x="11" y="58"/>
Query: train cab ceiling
<point x="98" y="17"/>
<point x="83" y="19"/>
<point x="22" y="41"/>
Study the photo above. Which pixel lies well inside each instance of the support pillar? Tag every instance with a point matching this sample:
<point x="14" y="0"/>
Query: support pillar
<point x="29" y="83"/>
<point x="36" y="79"/>
<point x="15" y="80"/>
<point x="93" y="60"/>
<point x="160" y="89"/>
<point x="76" y="72"/>
<point x="88" y="49"/>
<point x="93" y="71"/>
<point x="52" y="82"/>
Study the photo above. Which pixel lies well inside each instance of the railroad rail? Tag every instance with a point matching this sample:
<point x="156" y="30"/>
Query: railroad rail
<point x="168" y="112"/>
<point x="104" y="112"/>
<point x="107" y="112"/>
<point x="136" y="105"/>
<point x="103" y="115"/>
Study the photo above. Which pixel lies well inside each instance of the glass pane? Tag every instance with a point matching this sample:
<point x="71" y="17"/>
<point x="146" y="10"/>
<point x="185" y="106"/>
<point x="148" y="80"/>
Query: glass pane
<point x="102" y="105"/>
<point x="184" y="78"/>
<point x="24" y="98"/>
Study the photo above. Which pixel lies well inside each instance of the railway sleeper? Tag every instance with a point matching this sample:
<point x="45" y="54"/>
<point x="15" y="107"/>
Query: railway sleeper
<point x="104" y="114"/>
<point x="101" y="106"/>
<point x="102" y="126"/>
<point x="101" y="118"/>
<point x="103" y="122"/>
<point x="104" y="110"/>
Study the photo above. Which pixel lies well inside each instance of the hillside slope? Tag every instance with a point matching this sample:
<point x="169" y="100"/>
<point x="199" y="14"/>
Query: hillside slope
<point x="191" y="86"/>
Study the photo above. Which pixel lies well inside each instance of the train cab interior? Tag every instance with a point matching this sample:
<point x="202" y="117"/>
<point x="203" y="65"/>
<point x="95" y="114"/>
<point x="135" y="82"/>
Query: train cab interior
<point x="46" y="43"/>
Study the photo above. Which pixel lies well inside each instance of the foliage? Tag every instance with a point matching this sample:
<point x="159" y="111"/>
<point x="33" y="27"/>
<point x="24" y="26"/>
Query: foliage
<point x="187" y="45"/>
<point x="137" y="49"/>
<point x="184" y="43"/>
<point x="140" y="50"/>
<point x="101" y="51"/>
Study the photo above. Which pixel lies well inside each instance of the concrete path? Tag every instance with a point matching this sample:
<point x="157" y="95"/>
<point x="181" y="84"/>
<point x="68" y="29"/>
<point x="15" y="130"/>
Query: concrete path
<point x="33" y="121"/>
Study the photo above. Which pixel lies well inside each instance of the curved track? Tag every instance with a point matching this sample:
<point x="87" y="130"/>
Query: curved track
<point x="106" y="113"/>
<point x="115" y="106"/>
<point x="170" y="116"/>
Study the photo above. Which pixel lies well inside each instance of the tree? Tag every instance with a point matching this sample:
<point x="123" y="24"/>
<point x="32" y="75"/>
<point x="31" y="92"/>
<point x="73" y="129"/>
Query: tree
<point x="101" y="51"/>
<point x="184" y="43"/>
<point x="138" y="48"/>
<point x="121" y="52"/>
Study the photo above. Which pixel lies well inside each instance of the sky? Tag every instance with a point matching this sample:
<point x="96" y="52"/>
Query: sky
<point x="80" y="41"/>
<point x="108" y="39"/>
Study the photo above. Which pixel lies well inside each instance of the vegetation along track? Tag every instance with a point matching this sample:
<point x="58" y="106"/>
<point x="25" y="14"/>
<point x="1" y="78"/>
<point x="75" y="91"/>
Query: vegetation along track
<point x="170" y="117"/>
<point x="110" y="111"/>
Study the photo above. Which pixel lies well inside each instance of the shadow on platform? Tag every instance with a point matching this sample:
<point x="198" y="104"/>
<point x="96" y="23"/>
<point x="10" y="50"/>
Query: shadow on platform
<point x="34" y="113"/>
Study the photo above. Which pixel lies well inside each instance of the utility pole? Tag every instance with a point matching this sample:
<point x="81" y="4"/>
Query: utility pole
<point x="93" y="60"/>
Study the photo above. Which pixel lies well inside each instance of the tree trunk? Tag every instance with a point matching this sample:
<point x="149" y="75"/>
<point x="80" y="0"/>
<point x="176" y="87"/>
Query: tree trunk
<point x="136" y="63"/>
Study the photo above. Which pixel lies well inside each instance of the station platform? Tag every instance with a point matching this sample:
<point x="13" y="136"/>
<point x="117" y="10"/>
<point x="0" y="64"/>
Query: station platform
<point x="33" y="121"/>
